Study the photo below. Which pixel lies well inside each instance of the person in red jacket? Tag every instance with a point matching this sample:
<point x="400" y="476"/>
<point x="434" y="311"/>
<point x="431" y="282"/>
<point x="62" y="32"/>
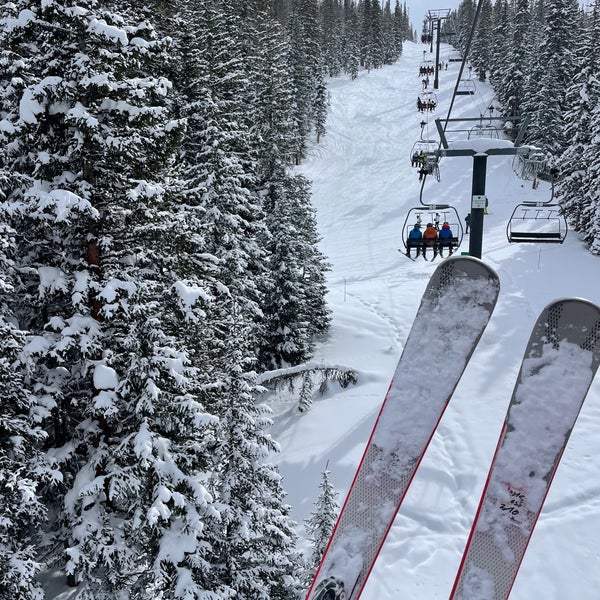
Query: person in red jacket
<point x="430" y="234"/>
<point x="445" y="236"/>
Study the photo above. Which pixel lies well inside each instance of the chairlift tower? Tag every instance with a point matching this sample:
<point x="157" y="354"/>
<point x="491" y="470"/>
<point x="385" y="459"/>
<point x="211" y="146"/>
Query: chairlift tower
<point x="479" y="149"/>
<point x="435" y="17"/>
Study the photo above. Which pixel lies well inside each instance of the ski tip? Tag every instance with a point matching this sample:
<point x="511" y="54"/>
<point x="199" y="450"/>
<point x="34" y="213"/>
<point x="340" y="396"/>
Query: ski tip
<point x="576" y="302"/>
<point x="575" y="320"/>
<point x="466" y="266"/>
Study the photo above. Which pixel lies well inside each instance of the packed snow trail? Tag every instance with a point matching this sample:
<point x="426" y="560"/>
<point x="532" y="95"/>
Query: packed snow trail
<point x="363" y="187"/>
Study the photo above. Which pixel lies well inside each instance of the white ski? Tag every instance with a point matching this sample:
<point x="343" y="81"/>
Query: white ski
<point x="454" y="311"/>
<point x="560" y="362"/>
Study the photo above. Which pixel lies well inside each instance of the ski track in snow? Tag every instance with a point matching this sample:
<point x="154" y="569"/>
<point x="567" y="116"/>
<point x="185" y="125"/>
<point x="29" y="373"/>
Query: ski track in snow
<point x="363" y="187"/>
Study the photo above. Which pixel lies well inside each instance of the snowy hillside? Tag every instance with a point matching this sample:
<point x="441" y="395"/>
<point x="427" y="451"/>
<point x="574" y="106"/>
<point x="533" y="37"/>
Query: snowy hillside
<point x="363" y="187"/>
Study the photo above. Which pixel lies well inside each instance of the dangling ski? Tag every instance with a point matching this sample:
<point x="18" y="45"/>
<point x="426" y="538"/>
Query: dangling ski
<point x="454" y="311"/>
<point x="560" y="362"/>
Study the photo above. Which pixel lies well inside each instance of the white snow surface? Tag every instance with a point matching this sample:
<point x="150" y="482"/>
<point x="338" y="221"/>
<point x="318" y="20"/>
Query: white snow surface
<point x="363" y="188"/>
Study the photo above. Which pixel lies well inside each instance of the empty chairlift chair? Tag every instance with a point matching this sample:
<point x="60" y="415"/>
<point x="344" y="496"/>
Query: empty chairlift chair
<point x="530" y="166"/>
<point x="537" y="222"/>
<point x="466" y="87"/>
<point x="486" y="128"/>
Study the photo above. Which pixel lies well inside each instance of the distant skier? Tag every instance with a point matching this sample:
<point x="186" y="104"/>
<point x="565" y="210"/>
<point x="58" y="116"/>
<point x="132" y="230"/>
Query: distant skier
<point x="467" y="223"/>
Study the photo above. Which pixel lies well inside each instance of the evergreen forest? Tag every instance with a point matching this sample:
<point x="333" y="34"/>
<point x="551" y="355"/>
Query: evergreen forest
<point x="158" y="257"/>
<point x="541" y="57"/>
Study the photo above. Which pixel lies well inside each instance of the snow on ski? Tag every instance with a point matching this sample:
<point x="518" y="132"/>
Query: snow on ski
<point x="560" y="362"/>
<point x="454" y="311"/>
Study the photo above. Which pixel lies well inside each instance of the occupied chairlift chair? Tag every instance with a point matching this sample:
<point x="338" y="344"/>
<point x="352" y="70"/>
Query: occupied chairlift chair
<point x="431" y="213"/>
<point x="538" y="222"/>
<point x="427" y="67"/>
<point x="423" y="154"/>
<point x="427" y="100"/>
<point x="436" y="214"/>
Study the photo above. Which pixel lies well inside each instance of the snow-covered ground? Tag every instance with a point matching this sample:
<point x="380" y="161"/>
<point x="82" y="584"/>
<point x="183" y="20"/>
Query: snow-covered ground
<point x="363" y="188"/>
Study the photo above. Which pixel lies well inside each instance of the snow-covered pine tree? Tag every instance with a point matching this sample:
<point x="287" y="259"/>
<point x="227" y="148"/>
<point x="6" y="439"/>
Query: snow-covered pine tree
<point x="400" y="28"/>
<point x="387" y="35"/>
<point x="97" y="224"/>
<point x="275" y="131"/>
<point x="351" y="40"/>
<point x="253" y="545"/>
<point x="516" y="59"/>
<point x="372" y="51"/>
<point x="23" y="470"/>
<point x="295" y="309"/>
<point x="320" y="102"/>
<point x="22" y="514"/>
<point x="220" y="179"/>
<point x="481" y="49"/>
<point x="291" y="229"/>
<point x="311" y="260"/>
<point x="319" y="525"/>
<point x="465" y="16"/>
<point x="305" y="62"/>
<point x="331" y="36"/>
<point x="579" y="163"/>
<point x="551" y="74"/>
<point x="499" y="44"/>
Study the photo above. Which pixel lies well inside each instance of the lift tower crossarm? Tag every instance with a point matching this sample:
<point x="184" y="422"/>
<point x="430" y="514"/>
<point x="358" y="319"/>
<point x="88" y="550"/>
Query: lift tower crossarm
<point x="503" y="146"/>
<point x="479" y="149"/>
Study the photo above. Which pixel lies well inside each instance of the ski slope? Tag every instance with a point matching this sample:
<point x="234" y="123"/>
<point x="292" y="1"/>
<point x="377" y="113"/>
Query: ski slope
<point x="363" y="187"/>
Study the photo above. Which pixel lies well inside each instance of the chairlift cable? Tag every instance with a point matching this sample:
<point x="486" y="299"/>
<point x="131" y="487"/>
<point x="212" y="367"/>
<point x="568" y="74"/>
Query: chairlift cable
<point x="464" y="61"/>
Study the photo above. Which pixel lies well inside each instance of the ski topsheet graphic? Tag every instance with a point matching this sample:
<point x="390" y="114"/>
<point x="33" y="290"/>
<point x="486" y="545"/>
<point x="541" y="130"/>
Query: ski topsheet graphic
<point x="454" y="311"/>
<point x="560" y="362"/>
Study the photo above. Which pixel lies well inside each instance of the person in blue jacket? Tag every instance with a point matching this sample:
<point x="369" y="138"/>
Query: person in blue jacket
<point x="444" y="237"/>
<point x="415" y="234"/>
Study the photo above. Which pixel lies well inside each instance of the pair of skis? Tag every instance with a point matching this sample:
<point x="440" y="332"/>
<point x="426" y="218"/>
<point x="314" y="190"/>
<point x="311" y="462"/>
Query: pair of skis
<point x="560" y="362"/>
<point x="414" y="259"/>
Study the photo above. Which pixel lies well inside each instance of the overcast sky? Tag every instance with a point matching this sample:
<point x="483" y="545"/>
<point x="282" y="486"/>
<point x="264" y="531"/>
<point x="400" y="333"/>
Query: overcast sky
<point x="417" y="9"/>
